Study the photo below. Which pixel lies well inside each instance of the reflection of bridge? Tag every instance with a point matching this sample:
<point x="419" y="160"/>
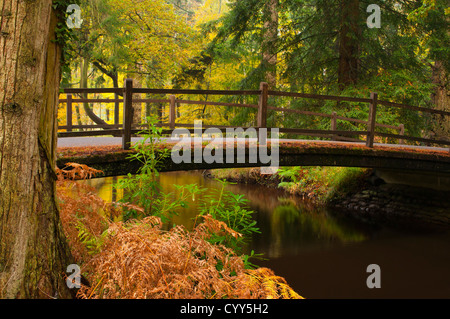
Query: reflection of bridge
<point x="354" y="151"/>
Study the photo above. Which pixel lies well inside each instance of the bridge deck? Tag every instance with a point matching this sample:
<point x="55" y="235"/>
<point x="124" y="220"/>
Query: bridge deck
<point x="106" y="154"/>
<point x="95" y="141"/>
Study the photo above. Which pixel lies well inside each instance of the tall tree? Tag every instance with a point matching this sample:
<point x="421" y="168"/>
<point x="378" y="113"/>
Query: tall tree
<point x="434" y="18"/>
<point x="441" y="99"/>
<point x="348" y="43"/>
<point x="269" y="42"/>
<point x="33" y="251"/>
<point x="326" y="46"/>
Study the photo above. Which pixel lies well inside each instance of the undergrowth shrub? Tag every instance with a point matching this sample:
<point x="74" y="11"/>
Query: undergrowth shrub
<point x="320" y="183"/>
<point x="144" y="190"/>
<point x="141" y="261"/>
<point x="232" y="209"/>
<point x="137" y="259"/>
<point x="82" y="212"/>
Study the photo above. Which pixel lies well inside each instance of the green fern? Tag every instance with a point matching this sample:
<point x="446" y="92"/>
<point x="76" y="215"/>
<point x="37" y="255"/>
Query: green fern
<point x="92" y="243"/>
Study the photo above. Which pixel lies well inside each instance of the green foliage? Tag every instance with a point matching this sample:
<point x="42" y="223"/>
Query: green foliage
<point x="118" y="38"/>
<point x="313" y="181"/>
<point x="92" y="243"/>
<point x="148" y="149"/>
<point x="211" y="45"/>
<point x="394" y="61"/>
<point x="346" y="181"/>
<point x="432" y="19"/>
<point x="144" y="190"/>
<point x="309" y="35"/>
<point x="64" y="36"/>
<point x="232" y="209"/>
<point x="321" y="183"/>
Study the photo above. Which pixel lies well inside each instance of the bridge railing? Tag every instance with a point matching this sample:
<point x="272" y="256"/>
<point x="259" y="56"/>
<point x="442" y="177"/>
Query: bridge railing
<point x="126" y="127"/>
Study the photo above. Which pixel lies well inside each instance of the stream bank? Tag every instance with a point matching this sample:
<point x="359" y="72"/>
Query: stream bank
<point x="363" y="197"/>
<point x="399" y="206"/>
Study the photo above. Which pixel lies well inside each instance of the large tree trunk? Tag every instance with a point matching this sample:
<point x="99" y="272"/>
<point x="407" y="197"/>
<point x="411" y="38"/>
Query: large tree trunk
<point x="441" y="99"/>
<point x="348" y="43"/>
<point x="33" y="251"/>
<point x="269" y="48"/>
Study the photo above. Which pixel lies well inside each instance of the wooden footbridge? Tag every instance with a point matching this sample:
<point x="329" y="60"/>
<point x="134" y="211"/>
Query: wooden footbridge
<point x="366" y="147"/>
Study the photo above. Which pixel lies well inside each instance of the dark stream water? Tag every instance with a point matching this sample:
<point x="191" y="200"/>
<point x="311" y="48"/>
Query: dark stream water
<point x="322" y="254"/>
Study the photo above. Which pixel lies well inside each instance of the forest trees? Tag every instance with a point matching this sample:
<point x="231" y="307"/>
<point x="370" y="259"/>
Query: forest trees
<point x="311" y="46"/>
<point x="429" y="17"/>
<point x="139" y="37"/>
<point x="323" y="43"/>
<point x="348" y="67"/>
<point x="326" y="47"/>
<point x="33" y="250"/>
<point x="145" y="40"/>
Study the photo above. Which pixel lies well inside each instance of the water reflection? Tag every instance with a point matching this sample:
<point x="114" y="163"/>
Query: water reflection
<point x="287" y="223"/>
<point x="322" y="255"/>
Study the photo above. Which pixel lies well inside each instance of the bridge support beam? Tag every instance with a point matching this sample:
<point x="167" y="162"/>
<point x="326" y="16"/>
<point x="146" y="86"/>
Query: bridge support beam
<point x="435" y="180"/>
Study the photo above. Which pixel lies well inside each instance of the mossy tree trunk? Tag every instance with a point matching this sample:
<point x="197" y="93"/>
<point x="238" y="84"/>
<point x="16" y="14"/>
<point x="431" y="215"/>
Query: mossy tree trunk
<point x="348" y="43"/>
<point x="33" y="251"/>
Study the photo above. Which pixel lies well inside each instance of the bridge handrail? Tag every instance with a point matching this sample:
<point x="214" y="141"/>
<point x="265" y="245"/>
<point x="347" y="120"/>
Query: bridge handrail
<point x="414" y="108"/>
<point x="334" y="117"/>
<point x="186" y="91"/>
<point x="319" y="96"/>
<point x="235" y="92"/>
<point x="127" y="126"/>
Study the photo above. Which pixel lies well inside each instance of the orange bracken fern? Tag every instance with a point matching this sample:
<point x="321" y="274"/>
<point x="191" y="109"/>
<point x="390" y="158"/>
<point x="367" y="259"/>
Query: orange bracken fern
<point x="138" y="259"/>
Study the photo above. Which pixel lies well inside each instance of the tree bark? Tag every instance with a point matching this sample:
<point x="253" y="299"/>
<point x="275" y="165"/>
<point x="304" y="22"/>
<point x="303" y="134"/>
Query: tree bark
<point x="84" y="84"/>
<point x="34" y="253"/>
<point x="348" y="44"/>
<point x="441" y="100"/>
<point x="269" y="48"/>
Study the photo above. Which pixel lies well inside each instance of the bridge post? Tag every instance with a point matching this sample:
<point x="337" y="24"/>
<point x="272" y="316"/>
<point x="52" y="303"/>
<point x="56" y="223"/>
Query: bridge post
<point x="127" y="113"/>
<point x="69" y="112"/>
<point x="172" y="113"/>
<point x="401" y="129"/>
<point x="333" y="125"/>
<point x="262" y="109"/>
<point x="116" y="109"/>
<point x="372" y="119"/>
<point x="262" y="105"/>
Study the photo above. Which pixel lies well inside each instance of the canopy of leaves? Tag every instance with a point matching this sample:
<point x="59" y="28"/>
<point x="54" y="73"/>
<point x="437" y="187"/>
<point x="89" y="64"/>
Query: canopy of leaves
<point x="134" y="37"/>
